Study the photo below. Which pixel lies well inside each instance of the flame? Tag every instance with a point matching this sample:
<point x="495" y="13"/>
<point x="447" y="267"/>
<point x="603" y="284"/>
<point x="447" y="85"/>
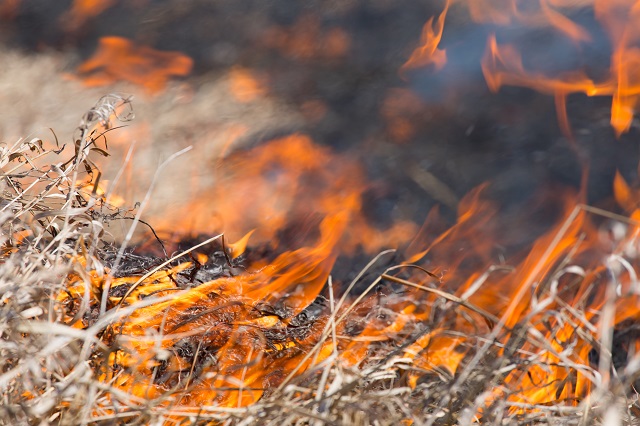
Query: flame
<point x="100" y="190"/>
<point x="83" y="10"/>
<point x="118" y="59"/>
<point x="508" y="302"/>
<point x="287" y="180"/>
<point x="535" y="317"/>
<point x="90" y="8"/>
<point x="503" y="63"/>
<point x="428" y="54"/>
<point x="259" y="327"/>
<point x="256" y="315"/>
<point x="240" y="246"/>
<point x="220" y="320"/>
<point x="245" y="86"/>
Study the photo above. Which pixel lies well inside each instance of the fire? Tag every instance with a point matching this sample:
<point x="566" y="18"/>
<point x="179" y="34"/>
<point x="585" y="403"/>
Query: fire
<point x="222" y="320"/>
<point x="504" y="62"/>
<point x="533" y="322"/>
<point x="245" y="86"/>
<point x="83" y="10"/>
<point x="254" y="319"/>
<point x="536" y="308"/>
<point x="235" y="318"/>
<point x="118" y="59"/>
<point x="90" y="8"/>
<point x="290" y="180"/>
<point x="428" y="53"/>
<point x="100" y="192"/>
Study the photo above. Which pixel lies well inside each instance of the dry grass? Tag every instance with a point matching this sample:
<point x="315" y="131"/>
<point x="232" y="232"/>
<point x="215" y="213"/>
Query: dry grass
<point x="53" y="228"/>
<point x="49" y="221"/>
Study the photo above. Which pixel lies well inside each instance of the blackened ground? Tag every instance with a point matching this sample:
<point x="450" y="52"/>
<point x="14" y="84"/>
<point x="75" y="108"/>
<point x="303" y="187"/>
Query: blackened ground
<point x="142" y="259"/>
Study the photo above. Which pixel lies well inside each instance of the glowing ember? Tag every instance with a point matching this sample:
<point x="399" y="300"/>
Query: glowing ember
<point x="118" y="59"/>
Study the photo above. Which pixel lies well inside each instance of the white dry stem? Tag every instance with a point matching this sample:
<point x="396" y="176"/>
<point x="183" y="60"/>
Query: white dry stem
<point x="612" y="417"/>
<point x="33" y="363"/>
<point x="334" y="355"/>
<point x="606" y="334"/>
<point x="477" y="284"/>
<point x="611" y="261"/>
<point x="118" y="176"/>
<point x="134" y="225"/>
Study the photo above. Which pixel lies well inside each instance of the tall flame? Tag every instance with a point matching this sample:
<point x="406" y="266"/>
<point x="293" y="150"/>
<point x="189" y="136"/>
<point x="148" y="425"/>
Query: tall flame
<point x="503" y="63"/>
<point x="428" y="52"/>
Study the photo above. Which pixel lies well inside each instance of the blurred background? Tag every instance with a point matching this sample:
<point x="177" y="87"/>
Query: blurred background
<point x="429" y="98"/>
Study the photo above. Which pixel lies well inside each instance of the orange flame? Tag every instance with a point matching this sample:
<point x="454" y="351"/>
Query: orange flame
<point x="245" y="86"/>
<point x="228" y="341"/>
<point x="503" y="62"/>
<point x="264" y="344"/>
<point x="118" y="59"/>
<point x="285" y="181"/>
<point x="221" y="316"/>
<point x="83" y="10"/>
<point x="428" y="54"/>
<point x="503" y="304"/>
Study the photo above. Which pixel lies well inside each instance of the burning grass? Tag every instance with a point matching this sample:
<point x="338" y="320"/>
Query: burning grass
<point x="437" y="333"/>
